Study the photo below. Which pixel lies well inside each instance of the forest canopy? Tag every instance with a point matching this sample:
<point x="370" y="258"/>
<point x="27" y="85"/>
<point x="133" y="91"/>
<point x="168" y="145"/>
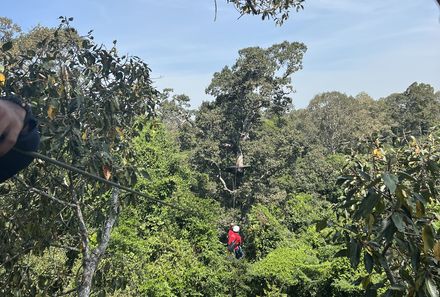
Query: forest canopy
<point x="337" y="199"/>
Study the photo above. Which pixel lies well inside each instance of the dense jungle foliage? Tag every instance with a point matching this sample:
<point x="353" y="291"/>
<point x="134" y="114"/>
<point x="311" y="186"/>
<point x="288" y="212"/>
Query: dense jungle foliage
<point x="337" y="199"/>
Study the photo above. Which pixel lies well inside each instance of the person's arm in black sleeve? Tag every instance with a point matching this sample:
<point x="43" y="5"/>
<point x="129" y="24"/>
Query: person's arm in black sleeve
<point x="18" y="128"/>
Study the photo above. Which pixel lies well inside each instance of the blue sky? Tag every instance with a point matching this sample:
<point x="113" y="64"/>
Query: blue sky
<point x="375" y="46"/>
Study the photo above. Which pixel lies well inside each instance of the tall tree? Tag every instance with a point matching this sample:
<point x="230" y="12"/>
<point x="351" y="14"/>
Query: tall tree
<point x="87" y="99"/>
<point x="8" y="29"/>
<point x="258" y="83"/>
<point x="414" y="111"/>
<point x="341" y="120"/>
<point x="174" y="110"/>
<point x="332" y="112"/>
<point x="160" y="250"/>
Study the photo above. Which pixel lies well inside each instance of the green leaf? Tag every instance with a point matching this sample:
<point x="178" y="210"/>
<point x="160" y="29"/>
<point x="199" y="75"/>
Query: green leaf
<point x="341" y="253"/>
<point x="390" y="181"/>
<point x="371" y="293"/>
<point x="320" y="225"/>
<point x="437" y="250"/>
<point x="420" y="198"/>
<point x="401" y="194"/>
<point x="404" y="175"/>
<point x="397" y="219"/>
<point x="397" y="287"/>
<point x="433" y="167"/>
<point x="354" y="252"/>
<point x="367" y="205"/>
<point x="428" y="238"/>
<point x="415" y="255"/>
<point x="7" y="46"/>
<point x="388" y="230"/>
<point x="431" y="288"/>
<point x="407" y="276"/>
<point x="420" y="209"/>
<point x="368" y="262"/>
<point x="402" y="244"/>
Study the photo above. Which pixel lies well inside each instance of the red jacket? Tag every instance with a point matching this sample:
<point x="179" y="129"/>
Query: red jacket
<point x="230" y="233"/>
<point x="232" y="236"/>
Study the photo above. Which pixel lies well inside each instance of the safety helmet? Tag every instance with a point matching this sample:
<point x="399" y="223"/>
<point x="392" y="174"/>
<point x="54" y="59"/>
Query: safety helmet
<point x="236" y="228"/>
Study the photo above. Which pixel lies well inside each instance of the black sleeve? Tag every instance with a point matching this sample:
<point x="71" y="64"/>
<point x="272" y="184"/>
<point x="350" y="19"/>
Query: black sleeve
<point x="13" y="161"/>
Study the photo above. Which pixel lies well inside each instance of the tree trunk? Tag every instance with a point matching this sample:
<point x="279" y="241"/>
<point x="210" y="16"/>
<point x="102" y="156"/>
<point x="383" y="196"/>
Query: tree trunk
<point x="91" y="259"/>
<point x="89" y="267"/>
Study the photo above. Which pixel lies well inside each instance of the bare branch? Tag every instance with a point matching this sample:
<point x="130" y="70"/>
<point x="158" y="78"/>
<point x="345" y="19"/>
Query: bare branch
<point x="225" y="187"/>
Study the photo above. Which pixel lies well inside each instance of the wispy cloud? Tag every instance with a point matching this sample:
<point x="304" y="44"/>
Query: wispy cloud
<point x="375" y="46"/>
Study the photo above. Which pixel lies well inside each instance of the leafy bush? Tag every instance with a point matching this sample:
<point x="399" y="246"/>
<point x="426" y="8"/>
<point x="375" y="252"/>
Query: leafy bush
<point x="263" y="232"/>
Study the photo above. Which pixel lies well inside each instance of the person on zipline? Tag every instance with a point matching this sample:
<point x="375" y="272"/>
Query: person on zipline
<point x="235" y="241"/>
<point x="18" y="129"/>
<point x="230" y="232"/>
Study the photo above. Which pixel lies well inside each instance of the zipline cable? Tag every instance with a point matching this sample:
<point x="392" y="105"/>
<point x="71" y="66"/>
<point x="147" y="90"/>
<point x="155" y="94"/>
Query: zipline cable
<point x="98" y="178"/>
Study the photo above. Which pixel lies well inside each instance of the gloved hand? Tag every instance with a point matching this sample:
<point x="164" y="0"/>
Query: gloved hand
<point x="11" y="124"/>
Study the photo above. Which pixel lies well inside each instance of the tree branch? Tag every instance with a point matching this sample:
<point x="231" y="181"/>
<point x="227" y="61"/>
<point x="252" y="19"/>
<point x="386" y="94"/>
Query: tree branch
<point x="16" y="256"/>
<point x="66" y="247"/>
<point x="252" y="7"/>
<point x="383" y="262"/>
<point x="90" y="262"/>
<point x="100" y="179"/>
<point x="42" y="193"/>
<point x="225" y="187"/>
<point x="83" y="232"/>
<point x="219" y="175"/>
<point x="215" y="14"/>
<point x="109" y="223"/>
